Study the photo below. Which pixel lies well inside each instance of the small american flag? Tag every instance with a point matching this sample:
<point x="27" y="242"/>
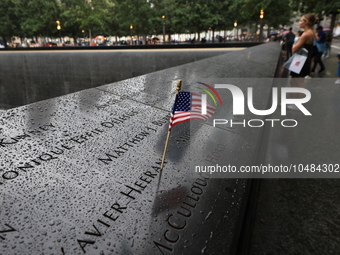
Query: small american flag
<point x="187" y="106"/>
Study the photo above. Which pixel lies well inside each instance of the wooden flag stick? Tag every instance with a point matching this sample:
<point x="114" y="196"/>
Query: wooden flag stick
<point x="178" y="88"/>
<point x="165" y="148"/>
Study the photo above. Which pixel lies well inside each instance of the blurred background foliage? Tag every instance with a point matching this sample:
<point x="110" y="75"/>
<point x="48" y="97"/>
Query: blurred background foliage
<point x="88" y="18"/>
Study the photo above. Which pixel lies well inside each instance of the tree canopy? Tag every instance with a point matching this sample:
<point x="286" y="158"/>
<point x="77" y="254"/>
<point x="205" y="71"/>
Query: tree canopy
<point x="79" y="18"/>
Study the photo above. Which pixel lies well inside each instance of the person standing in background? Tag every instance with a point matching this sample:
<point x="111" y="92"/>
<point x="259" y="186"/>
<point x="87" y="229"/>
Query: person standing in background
<point x="289" y="39"/>
<point x="320" y="42"/>
<point x="299" y="33"/>
<point x="328" y="45"/>
<point x="306" y="40"/>
<point x="338" y="80"/>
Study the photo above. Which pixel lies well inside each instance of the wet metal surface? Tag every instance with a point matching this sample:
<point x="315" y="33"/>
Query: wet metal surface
<point x="80" y="173"/>
<point x="30" y="76"/>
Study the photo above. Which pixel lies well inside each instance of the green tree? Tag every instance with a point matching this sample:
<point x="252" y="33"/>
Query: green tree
<point x="37" y="17"/>
<point x="319" y="8"/>
<point x="90" y="16"/>
<point x="221" y="16"/>
<point x="27" y="18"/>
<point x="139" y="14"/>
<point x="277" y="13"/>
<point x="71" y="12"/>
<point x="322" y="7"/>
<point x="8" y="20"/>
<point x="166" y="8"/>
<point x="193" y="16"/>
<point x="113" y="20"/>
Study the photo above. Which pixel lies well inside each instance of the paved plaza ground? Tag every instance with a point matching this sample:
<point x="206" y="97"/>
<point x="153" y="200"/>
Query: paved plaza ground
<point x="301" y="216"/>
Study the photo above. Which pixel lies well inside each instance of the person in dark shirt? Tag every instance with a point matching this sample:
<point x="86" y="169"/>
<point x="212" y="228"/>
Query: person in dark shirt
<point x="320" y="42"/>
<point x="289" y="40"/>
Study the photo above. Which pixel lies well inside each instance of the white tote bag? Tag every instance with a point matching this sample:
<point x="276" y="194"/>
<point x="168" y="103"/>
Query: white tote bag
<point x="296" y="62"/>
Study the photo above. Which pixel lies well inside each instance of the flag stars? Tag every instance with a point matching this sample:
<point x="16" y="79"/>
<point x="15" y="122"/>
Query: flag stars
<point x="183" y="102"/>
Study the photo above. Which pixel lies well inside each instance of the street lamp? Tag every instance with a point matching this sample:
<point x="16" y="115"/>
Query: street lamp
<point x="59" y="28"/>
<point x="235" y="25"/>
<point x="80" y="41"/>
<point x="131" y="27"/>
<point x="261" y="25"/>
<point x="163" y="19"/>
<point x="261" y="14"/>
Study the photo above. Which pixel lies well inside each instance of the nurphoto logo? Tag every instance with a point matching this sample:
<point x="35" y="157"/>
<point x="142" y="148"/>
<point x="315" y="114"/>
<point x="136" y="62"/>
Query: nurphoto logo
<point x="239" y="104"/>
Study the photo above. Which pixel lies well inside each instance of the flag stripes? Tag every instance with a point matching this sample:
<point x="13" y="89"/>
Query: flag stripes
<point x="188" y="106"/>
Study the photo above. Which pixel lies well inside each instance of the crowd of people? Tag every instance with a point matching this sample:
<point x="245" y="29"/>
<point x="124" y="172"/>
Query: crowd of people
<point x="304" y="52"/>
<point x="317" y="43"/>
